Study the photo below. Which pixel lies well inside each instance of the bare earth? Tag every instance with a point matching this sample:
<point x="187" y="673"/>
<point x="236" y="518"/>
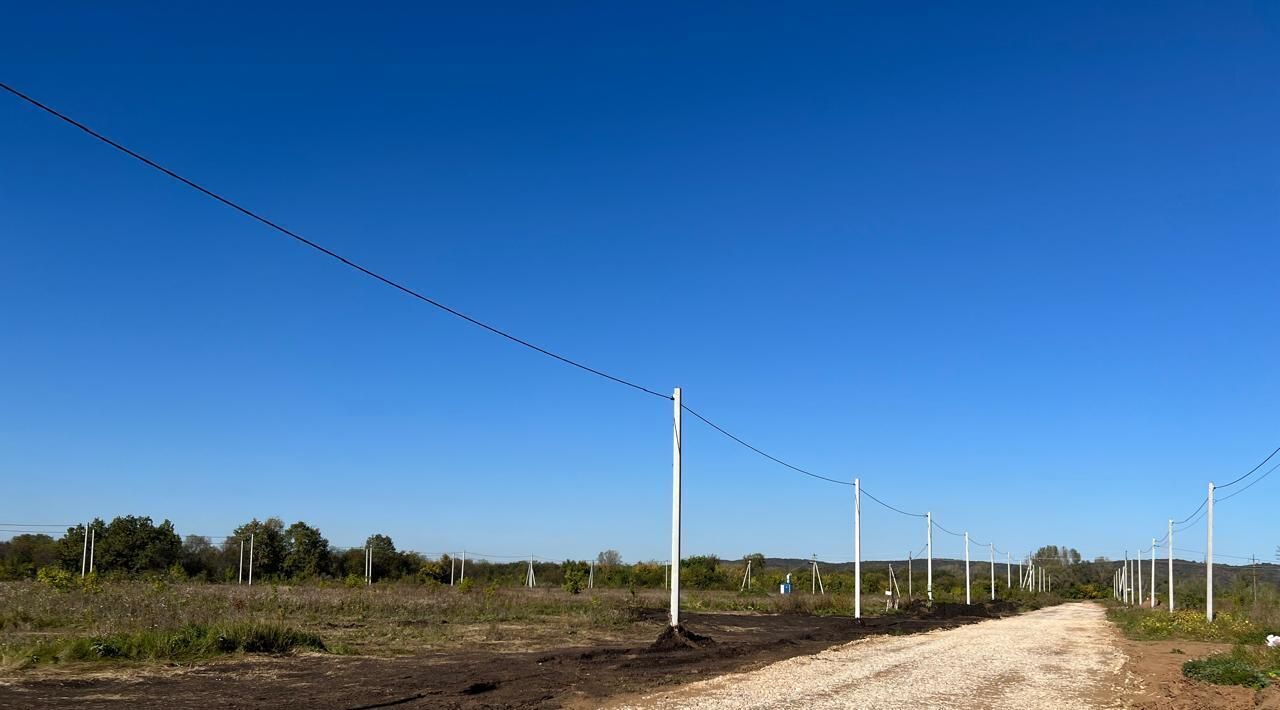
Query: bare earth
<point x="1063" y="657"/>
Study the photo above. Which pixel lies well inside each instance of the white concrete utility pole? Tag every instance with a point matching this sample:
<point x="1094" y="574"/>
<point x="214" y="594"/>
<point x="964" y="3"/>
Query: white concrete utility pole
<point x="462" y="568"/>
<point x="1125" y="586"/>
<point x="908" y="577"/>
<point x="929" y="543"/>
<point x="1153" y="573"/>
<point x="1170" y="564"/>
<point x="857" y="549"/>
<point x="1008" y="570"/>
<point x="1138" y="599"/>
<point x="992" y="550"/>
<point x="675" y="509"/>
<point x="968" y="599"/>
<point x="1208" y="562"/>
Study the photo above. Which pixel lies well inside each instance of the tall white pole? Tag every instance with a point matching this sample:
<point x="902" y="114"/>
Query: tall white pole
<point x="1124" y="588"/>
<point x="908" y="577"/>
<point x="675" y="511"/>
<point x="1008" y="570"/>
<point x="462" y="568"/>
<point x="1153" y="573"/>
<point x="591" y="576"/>
<point x="452" y="564"/>
<point x="857" y="549"/>
<point x="1137" y="600"/>
<point x="1170" y="564"/>
<point x="929" y="544"/>
<point x="967" y="598"/>
<point x="84" y="555"/>
<point x="992" y="550"/>
<point x="1208" y="562"/>
<point x="250" y="559"/>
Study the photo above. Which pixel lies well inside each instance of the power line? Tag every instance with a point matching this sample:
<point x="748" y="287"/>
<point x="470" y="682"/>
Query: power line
<point x="769" y="456"/>
<point x="867" y="493"/>
<point x="1193" y="513"/>
<point x="324" y="250"/>
<point x="1251" y="471"/>
<point x="938" y="526"/>
<point x="1252" y="483"/>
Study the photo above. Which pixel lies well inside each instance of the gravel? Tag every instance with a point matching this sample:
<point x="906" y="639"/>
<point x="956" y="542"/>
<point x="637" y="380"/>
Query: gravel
<point x="1063" y="657"/>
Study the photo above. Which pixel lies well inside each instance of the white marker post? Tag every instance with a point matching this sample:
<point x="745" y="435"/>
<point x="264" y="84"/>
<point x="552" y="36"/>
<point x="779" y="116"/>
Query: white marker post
<point x="967" y="598"/>
<point x="929" y="544"/>
<point x="1208" y="562"/>
<point x="675" y="511"/>
<point x="857" y="549"/>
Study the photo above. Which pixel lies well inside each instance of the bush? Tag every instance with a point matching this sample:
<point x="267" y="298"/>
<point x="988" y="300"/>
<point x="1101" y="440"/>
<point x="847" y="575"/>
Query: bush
<point x="1225" y="669"/>
<point x="56" y="578"/>
<point x="574" y="580"/>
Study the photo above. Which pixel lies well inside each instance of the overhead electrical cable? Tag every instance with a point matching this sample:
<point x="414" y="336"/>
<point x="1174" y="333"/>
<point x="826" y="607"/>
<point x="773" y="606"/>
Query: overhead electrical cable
<point x="769" y="456"/>
<point x="1251" y="471"/>
<point x="325" y="250"/>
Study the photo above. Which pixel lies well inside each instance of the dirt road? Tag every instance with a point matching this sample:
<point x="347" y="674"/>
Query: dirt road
<point x="1063" y="657"/>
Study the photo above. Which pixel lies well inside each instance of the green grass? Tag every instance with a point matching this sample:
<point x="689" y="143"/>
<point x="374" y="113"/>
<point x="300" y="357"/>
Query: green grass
<point x="189" y="643"/>
<point x="1251" y="667"/>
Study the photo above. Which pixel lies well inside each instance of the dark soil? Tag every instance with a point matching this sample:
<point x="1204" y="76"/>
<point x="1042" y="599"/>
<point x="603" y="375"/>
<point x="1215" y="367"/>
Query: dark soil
<point x="574" y="677"/>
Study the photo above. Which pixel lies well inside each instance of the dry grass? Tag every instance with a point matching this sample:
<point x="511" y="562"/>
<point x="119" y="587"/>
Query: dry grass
<point x="385" y="619"/>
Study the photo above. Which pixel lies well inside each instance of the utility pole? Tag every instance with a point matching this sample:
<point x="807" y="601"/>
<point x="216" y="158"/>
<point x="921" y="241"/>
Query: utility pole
<point x="1153" y="573"/>
<point x="84" y="556"/>
<point x="968" y="599"/>
<point x="908" y="577"/>
<point x="1170" y="564"/>
<point x="992" y="547"/>
<point x="1208" y="562"/>
<point x="675" y="509"/>
<point x="857" y="549"/>
<point x="1008" y="570"/>
<point x="929" y="544"/>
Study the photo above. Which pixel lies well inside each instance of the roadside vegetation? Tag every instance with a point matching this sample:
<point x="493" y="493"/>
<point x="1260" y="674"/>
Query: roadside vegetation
<point x="1243" y="618"/>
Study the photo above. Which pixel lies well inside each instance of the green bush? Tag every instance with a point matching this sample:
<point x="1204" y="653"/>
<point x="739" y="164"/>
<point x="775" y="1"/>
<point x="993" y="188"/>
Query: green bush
<point x="1225" y="669"/>
<point x="574" y="580"/>
<point x="56" y="578"/>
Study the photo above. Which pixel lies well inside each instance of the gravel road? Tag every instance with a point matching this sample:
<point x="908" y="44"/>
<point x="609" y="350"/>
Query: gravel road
<point x="1064" y="657"/>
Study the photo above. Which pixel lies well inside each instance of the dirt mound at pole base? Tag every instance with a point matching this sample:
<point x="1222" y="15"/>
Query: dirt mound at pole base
<point x="678" y="638"/>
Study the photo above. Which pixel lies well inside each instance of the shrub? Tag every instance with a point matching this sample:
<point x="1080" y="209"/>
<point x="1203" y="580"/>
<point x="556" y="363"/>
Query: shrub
<point x="56" y="578"/>
<point x="1225" y="669"/>
<point x="574" y="580"/>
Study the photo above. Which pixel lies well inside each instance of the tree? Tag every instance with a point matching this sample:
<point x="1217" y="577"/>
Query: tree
<point x="200" y="559"/>
<point x="268" y="545"/>
<point x="21" y="556"/>
<point x="756" y="559"/>
<point x="306" y="552"/>
<point x="386" y="562"/>
<point x="609" y="558"/>
<point x="133" y="544"/>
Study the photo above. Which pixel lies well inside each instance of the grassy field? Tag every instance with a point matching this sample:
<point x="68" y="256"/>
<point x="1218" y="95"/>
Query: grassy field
<point x="180" y="623"/>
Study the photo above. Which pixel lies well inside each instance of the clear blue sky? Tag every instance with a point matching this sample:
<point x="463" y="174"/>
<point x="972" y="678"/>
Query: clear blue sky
<point x="1012" y="263"/>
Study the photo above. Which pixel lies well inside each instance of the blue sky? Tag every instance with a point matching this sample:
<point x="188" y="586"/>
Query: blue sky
<point x="1011" y="264"/>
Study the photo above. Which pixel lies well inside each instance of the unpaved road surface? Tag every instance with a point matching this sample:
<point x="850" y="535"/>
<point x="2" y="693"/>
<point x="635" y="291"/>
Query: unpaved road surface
<point x="1065" y="657"/>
